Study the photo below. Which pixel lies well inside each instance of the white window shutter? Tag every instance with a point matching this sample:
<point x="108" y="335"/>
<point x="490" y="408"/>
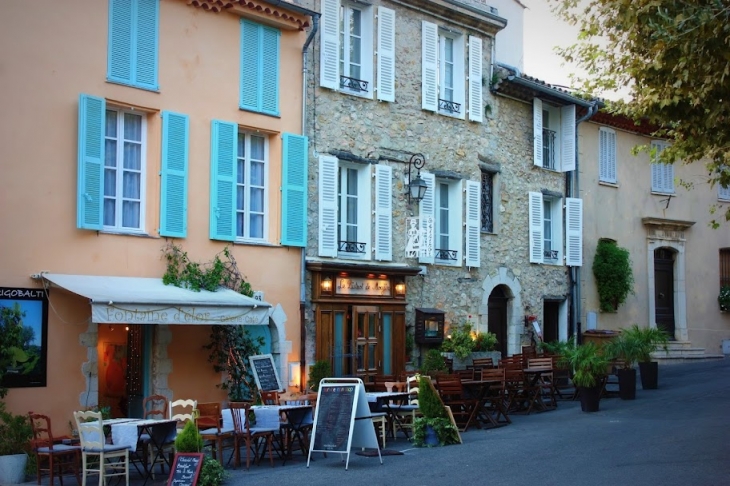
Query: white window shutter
<point x="669" y="168"/>
<point x="536" y="227"/>
<point x="537" y="130"/>
<point x="573" y="232"/>
<point x="567" y="138"/>
<point x="386" y="54"/>
<point x="327" y="206"/>
<point x="475" y="79"/>
<point x="383" y="212"/>
<point x="429" y="68"/>
<point x="473" y="216"/>
<point x="329" y="51"/>
<point x="427" y="209"/>
<point x="607" y="155"/>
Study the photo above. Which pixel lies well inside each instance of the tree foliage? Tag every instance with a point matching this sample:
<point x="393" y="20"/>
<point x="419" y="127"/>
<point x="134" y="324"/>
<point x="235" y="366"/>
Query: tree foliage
<point x="674" y="57"/>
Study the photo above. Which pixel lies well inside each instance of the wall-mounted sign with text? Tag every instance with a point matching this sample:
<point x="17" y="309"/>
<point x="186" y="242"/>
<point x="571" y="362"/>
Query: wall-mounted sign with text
<point x="361" y="286"/>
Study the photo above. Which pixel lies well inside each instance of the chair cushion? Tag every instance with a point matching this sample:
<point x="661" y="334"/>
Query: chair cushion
<point x="107" y="448"/>
<point x="58" y="449"/>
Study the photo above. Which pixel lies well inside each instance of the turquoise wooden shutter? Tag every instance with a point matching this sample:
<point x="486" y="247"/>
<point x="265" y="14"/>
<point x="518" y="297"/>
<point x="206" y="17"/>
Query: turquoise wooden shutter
<point x="146" y="44"/>
<point x="133" y="45"/>
<point x="119" y="56"/>
<point x="250" y="65"/>
<point x="294" y="190"/>
<point x="270" y="71"/>
<point x="259" y="68"/>
<point x="89" y="212"/>
<point x="223" y="180"/>
<point x="174" y="175"/>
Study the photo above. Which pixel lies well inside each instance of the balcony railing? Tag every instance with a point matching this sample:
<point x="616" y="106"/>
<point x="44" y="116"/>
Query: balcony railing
<point x="441" y="254"/>
<point x="450" y="106"/>
<point x="548" y="148"/>
<point x="351" y="247"/>
<point x="353" y="84"/>
<point x="550" y="254"/>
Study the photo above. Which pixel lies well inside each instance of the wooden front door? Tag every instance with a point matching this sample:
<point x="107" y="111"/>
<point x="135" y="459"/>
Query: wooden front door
<point x="367" y="341"/>
<point x="497" y="318"/>
<point x="664" y="290"/>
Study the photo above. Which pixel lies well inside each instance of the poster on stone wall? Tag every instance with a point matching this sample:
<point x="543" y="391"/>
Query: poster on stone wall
<point x="419" y="237"/>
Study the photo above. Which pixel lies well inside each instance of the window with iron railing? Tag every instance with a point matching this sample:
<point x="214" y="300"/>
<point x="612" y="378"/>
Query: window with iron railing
<point x="487" y="216"/>
<point x="548" y="148"/>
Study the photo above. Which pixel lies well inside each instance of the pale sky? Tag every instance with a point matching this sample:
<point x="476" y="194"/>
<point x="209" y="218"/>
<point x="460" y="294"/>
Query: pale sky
<point x="544" y="31"/>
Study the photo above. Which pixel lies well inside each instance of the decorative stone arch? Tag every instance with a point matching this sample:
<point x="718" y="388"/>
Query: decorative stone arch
<point x="162" y="365"/>
<point x="515" y="324"/>
<point x="666" y="233"/>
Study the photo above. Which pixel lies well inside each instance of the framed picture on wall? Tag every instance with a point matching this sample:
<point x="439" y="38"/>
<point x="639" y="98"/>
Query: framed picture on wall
<point x="24" y="332"/>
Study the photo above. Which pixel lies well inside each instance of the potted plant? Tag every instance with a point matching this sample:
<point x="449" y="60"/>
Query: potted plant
<point x="648" y="340"/>
<point x="589" y="367"/>
<point x="320" y="369"/>
<point x="433" y="428"/>
<point x="190" y="440"/>
<point x="15" y="436"/>
<point x="433" y="363"/>
<point x="614" y="278"/>
<point x="724" y="298"/>
<point x="626" y="349"/>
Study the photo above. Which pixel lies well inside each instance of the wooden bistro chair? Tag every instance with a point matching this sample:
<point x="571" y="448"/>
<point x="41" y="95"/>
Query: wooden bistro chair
<point x="52" y="458"/>
<point x="545" y="386"/>
<point x="97" y="456"/>
<point x="248" y="437"/>
<point x="270" y="397"/>
<point x="497" y="395"/>
<point x="463" y="407"/>
<point x="183" y="411"/>
<point x="156" y="407"/>
<point x="209" y="425"/>
<point x="482" y="363"/>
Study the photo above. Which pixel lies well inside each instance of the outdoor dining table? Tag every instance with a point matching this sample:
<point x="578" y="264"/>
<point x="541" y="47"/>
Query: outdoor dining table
<point x="388" y="402"/>
<point x="292" y="420"/>
<point x="533" y="378"/>
<point x="479" y="389"/>
<point x="130" y="432"/>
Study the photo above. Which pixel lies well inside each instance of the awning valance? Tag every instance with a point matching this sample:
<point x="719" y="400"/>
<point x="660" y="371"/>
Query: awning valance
<point x="138" y="300"/>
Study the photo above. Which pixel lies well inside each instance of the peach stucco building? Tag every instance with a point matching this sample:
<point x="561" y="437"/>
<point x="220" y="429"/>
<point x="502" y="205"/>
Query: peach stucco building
<point x="129" y="125"/>
<point x="679" y="261"/>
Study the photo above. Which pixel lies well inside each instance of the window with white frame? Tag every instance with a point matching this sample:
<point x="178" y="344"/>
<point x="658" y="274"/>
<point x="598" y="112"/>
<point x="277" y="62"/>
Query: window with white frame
<point x="554" y="136"/>
<point x="607" y="155"/>
<point x="546" y="229"/>
<point x="451" y="74"/>
<point x="124" y="170"/>
<point x="346" y="214"/>
<point x="251" y="194"/>
<point x="662" y="175"/>
<point x="346" y="53"/>
<point x="448" y="222"/>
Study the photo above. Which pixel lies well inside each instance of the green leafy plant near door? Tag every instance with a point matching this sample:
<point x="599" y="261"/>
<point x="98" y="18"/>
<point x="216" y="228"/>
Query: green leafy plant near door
<point x="613" y="274"/>
<point x="229" y="346"/>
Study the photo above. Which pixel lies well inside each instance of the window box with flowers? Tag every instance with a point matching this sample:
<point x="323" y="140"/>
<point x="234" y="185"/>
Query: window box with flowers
<point x="724" y="298"/>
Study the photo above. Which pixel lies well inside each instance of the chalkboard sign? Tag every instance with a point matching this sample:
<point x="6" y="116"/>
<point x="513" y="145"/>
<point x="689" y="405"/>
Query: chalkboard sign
<point x="185" y="469"/>
<point x="264" y="371"/>
<point x="335" y="414"/>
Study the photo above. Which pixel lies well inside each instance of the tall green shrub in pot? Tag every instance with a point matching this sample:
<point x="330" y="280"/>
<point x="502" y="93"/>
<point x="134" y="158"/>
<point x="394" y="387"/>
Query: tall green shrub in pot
<point x="434" y="417"/>
<point x="613" y="274"/>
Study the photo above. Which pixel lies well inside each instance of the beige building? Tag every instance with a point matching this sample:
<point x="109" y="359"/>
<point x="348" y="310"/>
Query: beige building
<point x="129" y="125"/>
<point x="677" y="258"/>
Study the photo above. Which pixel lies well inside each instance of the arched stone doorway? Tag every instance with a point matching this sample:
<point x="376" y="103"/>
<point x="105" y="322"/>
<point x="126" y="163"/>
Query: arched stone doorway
<point x="497" y="317"/>
<point x="511" y="288"/>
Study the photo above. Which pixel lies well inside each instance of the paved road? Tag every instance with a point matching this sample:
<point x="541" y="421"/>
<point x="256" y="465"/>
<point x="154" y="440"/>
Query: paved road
<point x="676" y="435"/>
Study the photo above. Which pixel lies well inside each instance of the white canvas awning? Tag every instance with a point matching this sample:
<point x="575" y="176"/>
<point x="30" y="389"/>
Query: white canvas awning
<point x="137" y="300"/>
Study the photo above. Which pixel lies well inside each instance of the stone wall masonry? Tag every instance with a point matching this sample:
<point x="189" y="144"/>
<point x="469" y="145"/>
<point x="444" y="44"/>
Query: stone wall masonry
<point x="369" y="128"/>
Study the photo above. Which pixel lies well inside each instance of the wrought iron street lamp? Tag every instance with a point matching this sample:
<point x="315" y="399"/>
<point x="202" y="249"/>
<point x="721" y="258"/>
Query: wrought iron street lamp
<point x="416" y="186"/>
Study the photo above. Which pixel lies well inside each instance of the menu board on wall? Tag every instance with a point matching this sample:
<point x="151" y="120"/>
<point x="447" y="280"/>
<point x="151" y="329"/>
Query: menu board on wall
<point x="264" y="372"/>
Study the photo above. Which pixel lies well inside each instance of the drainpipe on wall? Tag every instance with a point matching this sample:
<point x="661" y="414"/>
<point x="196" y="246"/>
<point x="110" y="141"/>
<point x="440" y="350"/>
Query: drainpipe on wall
<point x="302" y="274"/>
<point x="572" y="181"/>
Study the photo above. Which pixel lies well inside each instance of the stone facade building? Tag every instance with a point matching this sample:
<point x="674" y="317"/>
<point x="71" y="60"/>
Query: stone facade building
<point x="397" y="82"/>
